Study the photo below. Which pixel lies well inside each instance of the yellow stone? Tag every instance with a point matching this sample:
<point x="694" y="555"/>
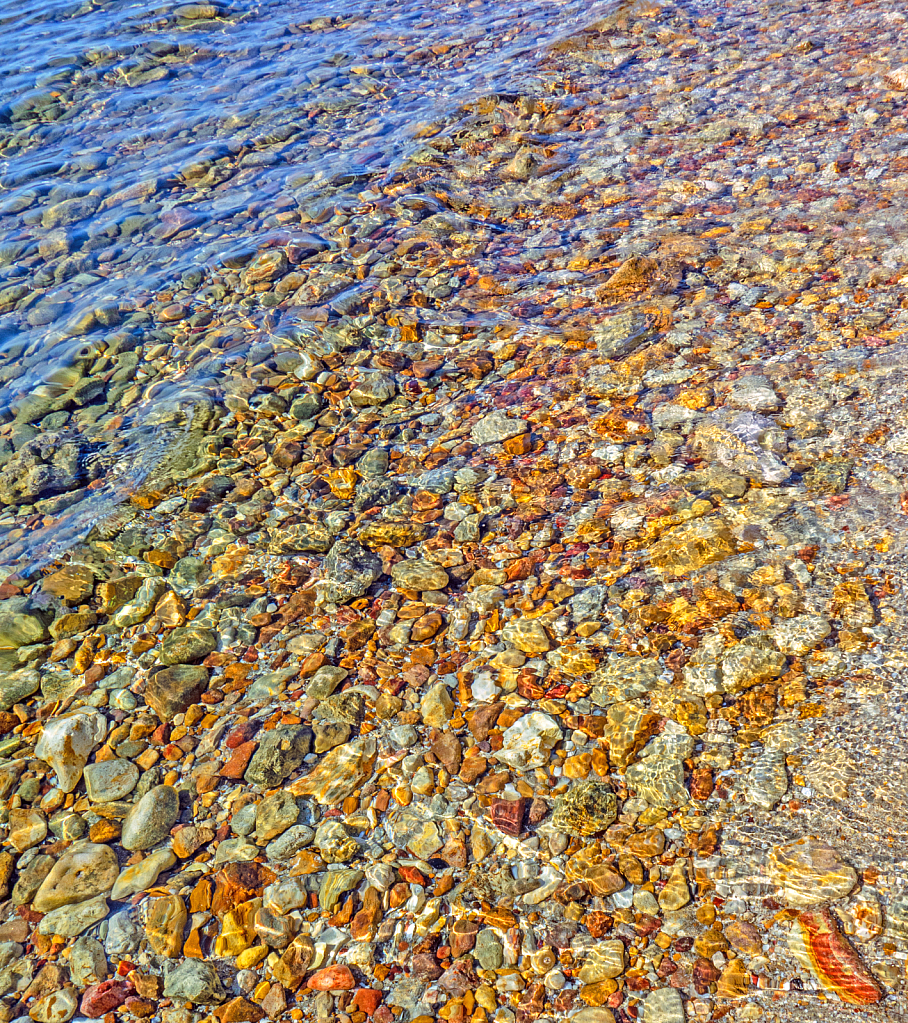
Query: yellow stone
<point x="164" y="927"/>
<point x="249" y="958"/>
<point x="598" y="994"/>
<point x="237" y="929"/>
<point x="808" y="872"/>
<point x="577" y="767"/>
<point x="676" y="892"/>
<point x="709" y="943"/>
<point x="734" y="982"/>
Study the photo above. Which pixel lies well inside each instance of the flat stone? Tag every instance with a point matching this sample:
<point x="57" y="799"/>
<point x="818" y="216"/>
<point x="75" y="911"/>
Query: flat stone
<point x="292" y="841"/>
<point x="73" y="584"/>
<point x="336" y="883"/>
<point x="108" y="780"/>
<point x="767" y="781"/>
<point x="142" y="875"/>
<point x="187" y="644"/>
<point x="807" y="873"/>
<point x="664" y="1005"/>
<point x="57" y="1007"/>
<point x="22" y="623"/>
<point x="798" y="636"/>
<point x="488" y="950"/>
<point x="818" y="943"/>
<point x="171" y="691"/>
<point x="497" y="427"/>
<point x="436" y="706"/>
<point x="325" y="681"/>
<point x="194" y="981"/>
<point x="68" y="921"/>
<point x="87" y="961"/>
<point x="587" y="808"/>
<point x="279" y="754"/>
<point x="332" y="978"/>
<point x="85" y="870"/>
<point x="419" y="574"/>
<point x="527" y="635"/>
<point x="750" y="663"/>
<point x="604" y="962"/>
<point x="274" y="815"/>
<point x="164" y="925"/>
<point x="150" y="820"/>
<point x="16" y="686"/>
<point x="27" y="828"/>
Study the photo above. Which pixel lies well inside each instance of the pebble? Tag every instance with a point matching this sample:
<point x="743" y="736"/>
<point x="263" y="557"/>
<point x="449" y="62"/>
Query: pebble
<point x="150" y="819"/>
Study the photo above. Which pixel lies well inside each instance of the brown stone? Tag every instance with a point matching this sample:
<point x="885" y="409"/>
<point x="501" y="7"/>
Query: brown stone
<point x="237" y="883"/>
<point x="294" y="963"/>
<point x="482" y="720"/>
<point x="462" y="936"/>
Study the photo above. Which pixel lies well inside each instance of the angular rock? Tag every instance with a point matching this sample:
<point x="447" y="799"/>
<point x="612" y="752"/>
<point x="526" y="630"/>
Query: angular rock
<point x="194" y="981"/>
<point x="171" y="691"/>
<point x="279" y="754"/>
<point x="67" y="741"/>
<point x="528" y="741"/>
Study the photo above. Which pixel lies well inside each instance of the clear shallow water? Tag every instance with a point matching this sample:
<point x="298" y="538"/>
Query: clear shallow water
<point x="144" y="147"/>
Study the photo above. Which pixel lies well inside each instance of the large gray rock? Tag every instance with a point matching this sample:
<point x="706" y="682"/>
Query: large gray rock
<point x="84" y="870"/>
<point x="171" y="690"/>
<point x="279" y="754"/>
<point x="150" y="820"/>
<point x="350" y="569"/>
<point x="21" y="623"/>
<point x="195" y="982"/>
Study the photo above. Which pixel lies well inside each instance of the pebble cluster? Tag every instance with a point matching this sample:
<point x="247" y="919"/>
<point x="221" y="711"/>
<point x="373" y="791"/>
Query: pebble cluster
<point x="513" y="628"/>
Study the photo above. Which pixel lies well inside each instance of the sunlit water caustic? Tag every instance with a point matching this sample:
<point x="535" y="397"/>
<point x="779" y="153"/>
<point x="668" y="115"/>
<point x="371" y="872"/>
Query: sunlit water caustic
<point x="508" y="401"/>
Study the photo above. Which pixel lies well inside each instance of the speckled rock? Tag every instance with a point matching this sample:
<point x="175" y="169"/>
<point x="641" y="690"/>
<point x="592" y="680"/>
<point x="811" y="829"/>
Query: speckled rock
<point x="149" y="821"/>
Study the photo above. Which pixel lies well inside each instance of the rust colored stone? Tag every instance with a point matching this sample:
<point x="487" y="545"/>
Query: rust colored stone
<point x="833" y="961"/>
<point x="105" y="997"/>
<point x="701" y="783"/>
<point x="507" y="815"/>
<point x="237" y="883"/>
<point x="332" y="978"/>
<point x="236" y="766"/>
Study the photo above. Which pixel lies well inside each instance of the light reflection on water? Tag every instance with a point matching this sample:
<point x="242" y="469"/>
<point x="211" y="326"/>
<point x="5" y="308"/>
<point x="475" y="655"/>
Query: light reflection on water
<point x="144" y="146"/>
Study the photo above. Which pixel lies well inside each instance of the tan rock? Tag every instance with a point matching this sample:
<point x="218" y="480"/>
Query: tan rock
<point x="84" y="871"/>
<point x="808" y="873"/>
<point x="164" y="925"/>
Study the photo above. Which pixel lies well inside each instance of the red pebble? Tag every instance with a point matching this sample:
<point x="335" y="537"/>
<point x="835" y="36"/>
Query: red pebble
<point x="366" y="1000"/>
<point x="102" y="998"/>
<point x="236" y="766"/>
<point x="332" y="978"/>
<point x="411" y="875"/>
<point x="242" y="733"/>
